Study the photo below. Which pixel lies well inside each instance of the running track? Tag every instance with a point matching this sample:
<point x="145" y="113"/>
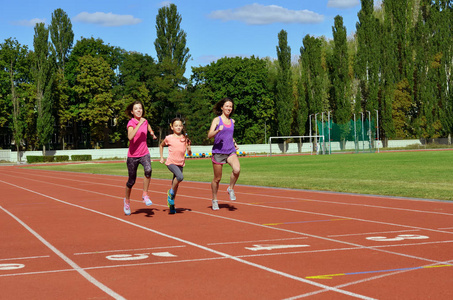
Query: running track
<point x="65" y="236"/>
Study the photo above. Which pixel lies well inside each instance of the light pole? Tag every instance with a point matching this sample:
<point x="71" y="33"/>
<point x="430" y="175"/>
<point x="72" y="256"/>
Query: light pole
<point x="328" y="127"/>
<point x="316" y="132"/>
<point x="377" y="129"/>
<point x="369" y="127"/>
<point x="322" y="128"/>
<point x="363" y="137"/>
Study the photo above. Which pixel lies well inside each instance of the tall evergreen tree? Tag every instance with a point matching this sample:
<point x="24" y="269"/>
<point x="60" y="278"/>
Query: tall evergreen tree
<point x="42" y="74"/>
<point x="366" y="65"/>
<point x="172" y="55"/>
<point x="62" y="38"/>
<point x="284" y="97"/>
<point x="341" y="95"/>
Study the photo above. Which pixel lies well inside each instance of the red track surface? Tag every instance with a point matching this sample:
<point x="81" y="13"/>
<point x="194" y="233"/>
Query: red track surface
<point x="65" y="236"/>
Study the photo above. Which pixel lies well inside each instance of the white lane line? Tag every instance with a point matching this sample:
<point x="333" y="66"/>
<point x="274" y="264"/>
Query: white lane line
<point x="23" y="258"/>
<point x="128" y="250"/>
<point x="368" y="233"/>
<point x="185" y="242"/>
<point x="257" y="241"/>
<point x="299" y="198"/>
<point x="81" y="271"/>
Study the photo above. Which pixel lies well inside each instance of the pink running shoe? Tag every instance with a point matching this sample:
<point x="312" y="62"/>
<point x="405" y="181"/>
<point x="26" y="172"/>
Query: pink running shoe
<point x="147" y="201"/>
<point x="127" y="208"/>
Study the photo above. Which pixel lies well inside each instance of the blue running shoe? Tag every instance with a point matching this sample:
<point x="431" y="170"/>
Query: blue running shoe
<point x="170" y="198"/>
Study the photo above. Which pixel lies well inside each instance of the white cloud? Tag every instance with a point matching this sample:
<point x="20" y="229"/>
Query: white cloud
<point x="29" y="23"/>
<point x="257" y="14"/>
<point x="343" y="3"/>
<point x="106" y="19"/>
<point x="165" y="3"/>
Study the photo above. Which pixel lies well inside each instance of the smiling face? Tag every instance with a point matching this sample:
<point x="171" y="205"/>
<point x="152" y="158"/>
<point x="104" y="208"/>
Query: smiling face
<point x="177" y="127"/>
<point x="137" y="111"/>
<point x="227" y="108"/>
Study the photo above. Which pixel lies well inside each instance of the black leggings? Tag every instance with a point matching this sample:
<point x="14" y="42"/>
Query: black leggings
<point x="132" y="165"/>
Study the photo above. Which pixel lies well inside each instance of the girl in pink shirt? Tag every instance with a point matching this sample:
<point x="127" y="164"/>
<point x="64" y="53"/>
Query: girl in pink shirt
<point x="177" y="144"/>
<point x="138" y="153"/>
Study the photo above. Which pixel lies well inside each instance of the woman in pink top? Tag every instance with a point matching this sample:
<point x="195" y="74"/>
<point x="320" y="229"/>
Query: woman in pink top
<point x="138" y="153"/>
<point x="177" y="144"/>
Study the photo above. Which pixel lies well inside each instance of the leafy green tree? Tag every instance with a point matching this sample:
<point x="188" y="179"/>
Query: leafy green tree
<point x="340" y="80"/>
<point x="366" y="65"/>
<point x="315" y="78"/>
<point x="112" y="57"/>
<point x="62" y="37"/>
<point x="172" y="56"/>
<point x="246" y="81"/>
<point x="136" y="82"/>
<point x="14" y="60"/>
<point x="93" y="91"/>
<point x="284" y="96"/>
<point x="42" y="75"/>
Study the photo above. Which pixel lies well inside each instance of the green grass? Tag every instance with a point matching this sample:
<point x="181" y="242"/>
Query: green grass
<point x="419" y="174"/>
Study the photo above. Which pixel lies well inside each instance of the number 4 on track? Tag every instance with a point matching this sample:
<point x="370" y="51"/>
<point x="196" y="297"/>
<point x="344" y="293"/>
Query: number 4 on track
<point x="272" y="247"/>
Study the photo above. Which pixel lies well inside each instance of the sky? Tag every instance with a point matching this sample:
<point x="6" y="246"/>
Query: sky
<point x="214" y="28"/>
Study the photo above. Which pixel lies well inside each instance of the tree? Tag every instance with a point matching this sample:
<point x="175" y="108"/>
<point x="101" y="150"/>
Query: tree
<point x="42" y="75"/>
<point x="13" y="59"/>
<point x="62" y="38"/>
<point x="93" y="91"/>
<point x="243" y="79"/>
<point x="172" y="56"/>
<point x="315" y="76"/>
<point x="366" y="65"/>
<point x="284" y="97"/>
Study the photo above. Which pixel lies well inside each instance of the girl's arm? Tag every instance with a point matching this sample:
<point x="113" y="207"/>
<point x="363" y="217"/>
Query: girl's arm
<point x="212" y="130"/>
<point x="151" y="131"/>
<point x="131" y="132"/>
<point x="188" y="148"/>
<point x="161" y="151"/>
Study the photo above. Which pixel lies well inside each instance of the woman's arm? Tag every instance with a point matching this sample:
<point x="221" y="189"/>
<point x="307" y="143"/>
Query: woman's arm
<point x="212" y="130"/>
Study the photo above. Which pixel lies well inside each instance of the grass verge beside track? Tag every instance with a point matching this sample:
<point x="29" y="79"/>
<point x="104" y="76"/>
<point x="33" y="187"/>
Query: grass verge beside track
<point x="418" y="174"/>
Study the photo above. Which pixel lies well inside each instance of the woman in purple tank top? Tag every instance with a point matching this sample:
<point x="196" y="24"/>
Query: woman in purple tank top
<point x="224" y="148"/>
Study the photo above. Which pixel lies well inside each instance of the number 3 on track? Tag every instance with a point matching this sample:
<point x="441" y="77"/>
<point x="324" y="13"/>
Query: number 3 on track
<point x="400" y="237"/>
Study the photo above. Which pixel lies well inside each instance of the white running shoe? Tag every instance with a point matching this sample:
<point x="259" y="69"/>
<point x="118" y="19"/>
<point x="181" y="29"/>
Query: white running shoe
<point x="231" y="193"/>
<point x="215" y="205"/>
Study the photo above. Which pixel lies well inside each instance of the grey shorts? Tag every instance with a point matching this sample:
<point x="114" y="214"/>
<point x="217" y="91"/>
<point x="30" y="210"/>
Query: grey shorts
<point x="221" y="159"/>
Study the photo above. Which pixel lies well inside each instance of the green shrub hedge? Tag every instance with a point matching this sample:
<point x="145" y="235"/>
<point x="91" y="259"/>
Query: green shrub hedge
<point x="81" y="157"/>
<point x="47" y="158"/>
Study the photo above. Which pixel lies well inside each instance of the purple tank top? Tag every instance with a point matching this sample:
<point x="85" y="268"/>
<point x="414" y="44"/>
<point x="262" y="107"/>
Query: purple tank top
<point x="223" y="140"/>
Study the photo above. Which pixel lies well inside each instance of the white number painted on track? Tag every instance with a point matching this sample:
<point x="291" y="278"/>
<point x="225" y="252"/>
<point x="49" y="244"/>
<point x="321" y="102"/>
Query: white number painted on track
<point x="128" y="256"/>
<point x="272" y="247"/>
<point x="138" y="256"/>
<point x="400" y="237"/>
<point x="6" y="267"/>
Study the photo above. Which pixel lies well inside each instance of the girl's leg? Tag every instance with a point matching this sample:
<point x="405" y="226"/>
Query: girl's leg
<point x="216" y="180"/>
<point x="233" y="161"/>
<point x="177" y="177"/>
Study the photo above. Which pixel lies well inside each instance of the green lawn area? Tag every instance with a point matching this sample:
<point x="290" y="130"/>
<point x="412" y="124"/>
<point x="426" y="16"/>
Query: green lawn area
<point x="418" y="174"/>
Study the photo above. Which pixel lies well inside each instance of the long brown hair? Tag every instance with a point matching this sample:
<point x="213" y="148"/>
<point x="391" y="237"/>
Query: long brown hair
<point x="218" y="106"/>
<point x="130" y="107"/>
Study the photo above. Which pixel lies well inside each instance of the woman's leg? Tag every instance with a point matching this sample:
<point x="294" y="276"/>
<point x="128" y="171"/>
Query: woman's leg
<point x="233" y="161"/>
<point x="216" y="180"/>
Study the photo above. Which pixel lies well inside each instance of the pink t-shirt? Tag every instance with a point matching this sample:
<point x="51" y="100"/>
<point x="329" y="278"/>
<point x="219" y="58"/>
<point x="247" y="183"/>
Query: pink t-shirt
<point x="176" y="150"/>
<point x="138" y="146"/>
